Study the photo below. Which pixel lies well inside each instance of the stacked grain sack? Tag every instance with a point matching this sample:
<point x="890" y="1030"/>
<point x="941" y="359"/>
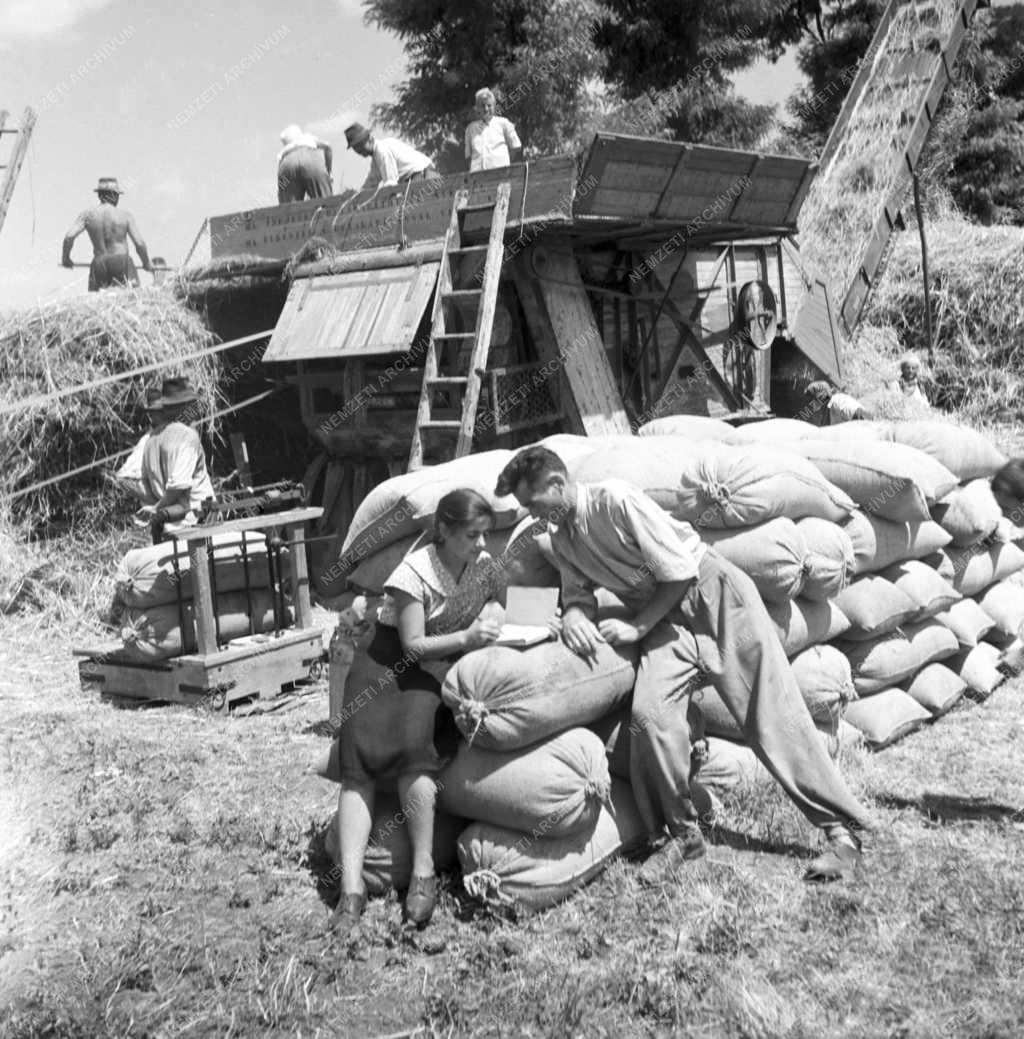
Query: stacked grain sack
<point x="153" y="596"/>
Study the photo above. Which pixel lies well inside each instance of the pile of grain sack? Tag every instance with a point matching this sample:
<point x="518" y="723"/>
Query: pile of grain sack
<point x="153" y="595"/>
<point x="878" y="550"/>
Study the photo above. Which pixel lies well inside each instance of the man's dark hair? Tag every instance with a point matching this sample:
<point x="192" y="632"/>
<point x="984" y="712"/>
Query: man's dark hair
<point x="531" y="464"/>
<point x="108" y="196"/>
<point x="1008" y="482"/>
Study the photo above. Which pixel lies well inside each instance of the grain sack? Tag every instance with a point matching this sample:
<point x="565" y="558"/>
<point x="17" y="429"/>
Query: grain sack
<point x="1004" y="603"/>
<point x="887" y="717"/>
<point x="616" y="734"/>
<point x="979" y="668"/>
<point x="369" y="576"/>
<point x="969" y="513"/>
<point x="936" y="688"/>
<point x="772" y="431"/>
<point x="925" y="586"/>
<point x="878" y="543"/>
<point x="654" y="464"/>
<point x="155" y="634"/>
<point x="693" y="427"/>
<point x="896" y="482"/>
<point x="965" y="452"/>
<point x="967" y="621"/>
<point x="146" y="577"/>
<point x="931" y="641"/>
<point x="879" y="663"/>
<point x="555" y="787"/>
<point x="404" y="505"/>
<point x="771" y="554"/>
<point x="861" y="430"/>
<point x="573" y="449"/>
<point x="802" y="623"/>
<point x="874" y="606"/>
<point x="826" y="684"/>
<point x="830" y="558"/>
<point x="500" y="865"/>
<point x="738" y="486"/>
<point x="528" y="560"/>
<point x="731" y="766"/>
<point x="387" y="863"/>
<point x="971" y="570"/>
<point x="505" y="698"/>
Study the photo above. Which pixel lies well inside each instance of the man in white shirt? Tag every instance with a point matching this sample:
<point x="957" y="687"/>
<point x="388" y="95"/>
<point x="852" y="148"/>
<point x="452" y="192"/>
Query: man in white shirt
<point x="491" y="140"/>
<point x="393" y="161"/>
<point x="303" y="166"/>
<point x="831" y="407"/>
<point x="908" y="384"/>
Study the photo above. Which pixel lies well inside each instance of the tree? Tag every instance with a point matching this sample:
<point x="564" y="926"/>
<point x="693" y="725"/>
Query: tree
<point x="537" y="55"/>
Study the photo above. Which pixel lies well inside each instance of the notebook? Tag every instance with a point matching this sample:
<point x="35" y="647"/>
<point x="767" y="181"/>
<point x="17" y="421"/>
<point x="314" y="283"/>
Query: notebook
<point x="527" y="611"/>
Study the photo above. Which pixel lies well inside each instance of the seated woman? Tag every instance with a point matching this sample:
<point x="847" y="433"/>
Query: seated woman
<point x="442" y="600"/>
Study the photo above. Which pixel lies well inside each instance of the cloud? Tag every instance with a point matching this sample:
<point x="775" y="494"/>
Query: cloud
<point x="38" y="19"/>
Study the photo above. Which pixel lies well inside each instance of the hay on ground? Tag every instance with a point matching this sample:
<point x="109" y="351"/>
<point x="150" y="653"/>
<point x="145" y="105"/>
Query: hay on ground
<point x="72" y="342"/>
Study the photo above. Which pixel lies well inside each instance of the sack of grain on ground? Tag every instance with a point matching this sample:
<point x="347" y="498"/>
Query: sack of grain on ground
<point x="879" y="663"/>
<point x="615" y="733"/>
<point x="968" y="622"/>
<point x="971" y="570"/>
<point x="387" y="863"/>
<point x="965" y="452"/>
<point x="931" y="641"/>
<point x="781" y="431"/>
<point x="738" y="486"/>
<point x="555" y="787"/>
<point x="405" y="505"/>
<point x="829" y="566"/>
<point x="878" y="543"/>
<point x="802" y="623"/>
<point x="536" y="871"/>
<point x="528" y="560"/>
<point x="862" y="431"/>
<point x="369" y="576"/>
<point x="154" y="575"/>
<point x="886" y="717"/>
<point x="693" y="427"/>
<point x="897" y="483"/>
<point x="936" y="688"/>
<point x="772" y="554"/>
<point x="970" y="513"/>
<point x="505" y="698"/>
<point x="155" y="634"/>
<point x="1004" y="603"/>
<point x="874" y="606"/>
<point x="731" y="766"/>
<point x="979" y="668"/>
<point x="928" y="589"/>
<point x="573" y="449"/>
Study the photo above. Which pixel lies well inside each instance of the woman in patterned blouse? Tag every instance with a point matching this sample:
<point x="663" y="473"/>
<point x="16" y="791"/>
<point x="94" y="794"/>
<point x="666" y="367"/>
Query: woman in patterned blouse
<point x="443" y="600"/>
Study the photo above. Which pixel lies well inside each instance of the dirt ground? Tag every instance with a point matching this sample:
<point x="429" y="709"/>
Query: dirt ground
<point x="164" y="875"/>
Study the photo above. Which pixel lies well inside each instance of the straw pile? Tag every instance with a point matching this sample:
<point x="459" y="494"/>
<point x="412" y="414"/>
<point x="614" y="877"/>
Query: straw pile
<point x="977" y="284"/>
<point x="67" y="344"/>
<point x="847" y="197"/>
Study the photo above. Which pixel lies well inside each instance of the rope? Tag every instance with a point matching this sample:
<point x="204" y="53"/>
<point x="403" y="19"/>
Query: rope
<point x="474" y="712"/>
<point x="522" y="202"/>
<point x="45" y="398"/>
<point x="120" y="454"/>
<point x="485" y="885"/>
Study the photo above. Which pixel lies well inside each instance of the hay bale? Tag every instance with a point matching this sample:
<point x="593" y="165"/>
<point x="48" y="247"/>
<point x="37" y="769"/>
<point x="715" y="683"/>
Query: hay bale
<point x="72" y="342"/>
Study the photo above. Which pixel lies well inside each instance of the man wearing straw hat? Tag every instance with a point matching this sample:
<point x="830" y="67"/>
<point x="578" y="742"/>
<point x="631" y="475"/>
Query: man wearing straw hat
<point x="108" y="228"/>
<point x="393" y="161"/>
<point x="174" y="477"/>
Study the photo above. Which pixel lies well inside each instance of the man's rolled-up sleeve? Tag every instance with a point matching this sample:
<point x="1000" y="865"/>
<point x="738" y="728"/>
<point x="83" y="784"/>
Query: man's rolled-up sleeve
<point x="577" y="588"/>
<point x="666" y="555"/>
<point x="183" y="461"/>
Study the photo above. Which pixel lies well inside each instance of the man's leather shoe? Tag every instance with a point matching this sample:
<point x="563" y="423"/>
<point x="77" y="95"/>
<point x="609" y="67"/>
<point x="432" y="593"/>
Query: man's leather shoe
<point x="420" y="900"/>
<point x="838" y="861"/>
<point x="347" y="914"/>
<point x="672" y="856"/>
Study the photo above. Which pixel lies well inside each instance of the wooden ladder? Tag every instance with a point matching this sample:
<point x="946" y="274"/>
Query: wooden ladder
<point x="438" y="376"/>
<point x="13" y="166"/>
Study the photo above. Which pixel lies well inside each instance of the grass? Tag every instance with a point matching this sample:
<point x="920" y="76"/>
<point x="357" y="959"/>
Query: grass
<point x="164" y="875"/>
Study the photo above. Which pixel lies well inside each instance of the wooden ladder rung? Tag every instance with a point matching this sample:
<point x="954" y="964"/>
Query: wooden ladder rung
<point x="467" y="249"/>
<point x="456" y="335"/>
<point x="441" y="424"/>
<point x="448" y="380"/>
<point x="461" y="292"/>
<point x="477" y="207"/>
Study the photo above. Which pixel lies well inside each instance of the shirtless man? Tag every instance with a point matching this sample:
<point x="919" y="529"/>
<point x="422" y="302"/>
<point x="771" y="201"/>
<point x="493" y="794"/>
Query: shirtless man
<point x="108" y="229"/>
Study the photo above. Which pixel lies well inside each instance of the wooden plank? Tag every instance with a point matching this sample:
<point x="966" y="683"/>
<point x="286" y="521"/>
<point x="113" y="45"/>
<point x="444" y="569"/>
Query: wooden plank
<point x="272" y="519"/>
<point x="202" y="593"/>
<point x="565" y="333"/>
<point x="299" y="574"/>
<point x="542" y="193"/>
<point x="260" y="646"/>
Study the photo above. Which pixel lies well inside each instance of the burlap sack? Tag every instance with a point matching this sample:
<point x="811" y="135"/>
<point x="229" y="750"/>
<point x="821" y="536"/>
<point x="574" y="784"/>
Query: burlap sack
<point x="878" y="543"/>
<point x="936" y="688"/>
<point x="693" y="427"/>
<point x="886" y="717"/>
<point x="1004" y="603"/>
<point x="925" y="586"/>
<point x="802" y="623"/>
<point x="528" y="560"/>
<point x="971" y="570"/>
<point x="931" y="641"/>
<point x="967" y="621"/>
<point x="829" y="566"/>
<point x="874" y="606"/>
<point x="967" y="453"/>
<point x="879" y="663"/>
<point x="782" y="431"/>
<point x="555" y="787"/>
<point x="970" y="513"/>
<point x="772" y="554"/>
<point x="979" y="668"/>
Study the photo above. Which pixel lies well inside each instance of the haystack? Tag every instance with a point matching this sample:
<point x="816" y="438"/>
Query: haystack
<point x="977" y="287"/>
<point x="63" y="345"/>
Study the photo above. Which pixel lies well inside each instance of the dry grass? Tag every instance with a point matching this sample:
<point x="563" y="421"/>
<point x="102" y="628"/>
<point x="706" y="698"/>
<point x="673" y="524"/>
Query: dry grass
<point x="70" y="343"/>
<point x="846" y="198"/>
<point x="163" y="875"/>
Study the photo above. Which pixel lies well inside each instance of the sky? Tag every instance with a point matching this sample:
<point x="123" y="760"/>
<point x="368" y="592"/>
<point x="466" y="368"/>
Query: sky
<point x="183" y="102"/>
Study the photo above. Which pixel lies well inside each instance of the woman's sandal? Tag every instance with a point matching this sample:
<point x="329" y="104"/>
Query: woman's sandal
<point x="420" y="900"/>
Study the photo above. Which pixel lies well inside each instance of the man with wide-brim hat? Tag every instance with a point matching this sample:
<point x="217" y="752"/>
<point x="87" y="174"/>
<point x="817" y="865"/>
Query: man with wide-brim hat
<point x="175" y="480"/>
<point x="109" y="229"/>
<point x="393" y="161"/>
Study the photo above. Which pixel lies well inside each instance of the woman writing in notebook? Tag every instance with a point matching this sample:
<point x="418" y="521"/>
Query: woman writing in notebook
<point x="441" y="601"/>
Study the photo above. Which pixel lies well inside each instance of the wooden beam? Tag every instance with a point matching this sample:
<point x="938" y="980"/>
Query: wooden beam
<point x="562" y="324"/>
